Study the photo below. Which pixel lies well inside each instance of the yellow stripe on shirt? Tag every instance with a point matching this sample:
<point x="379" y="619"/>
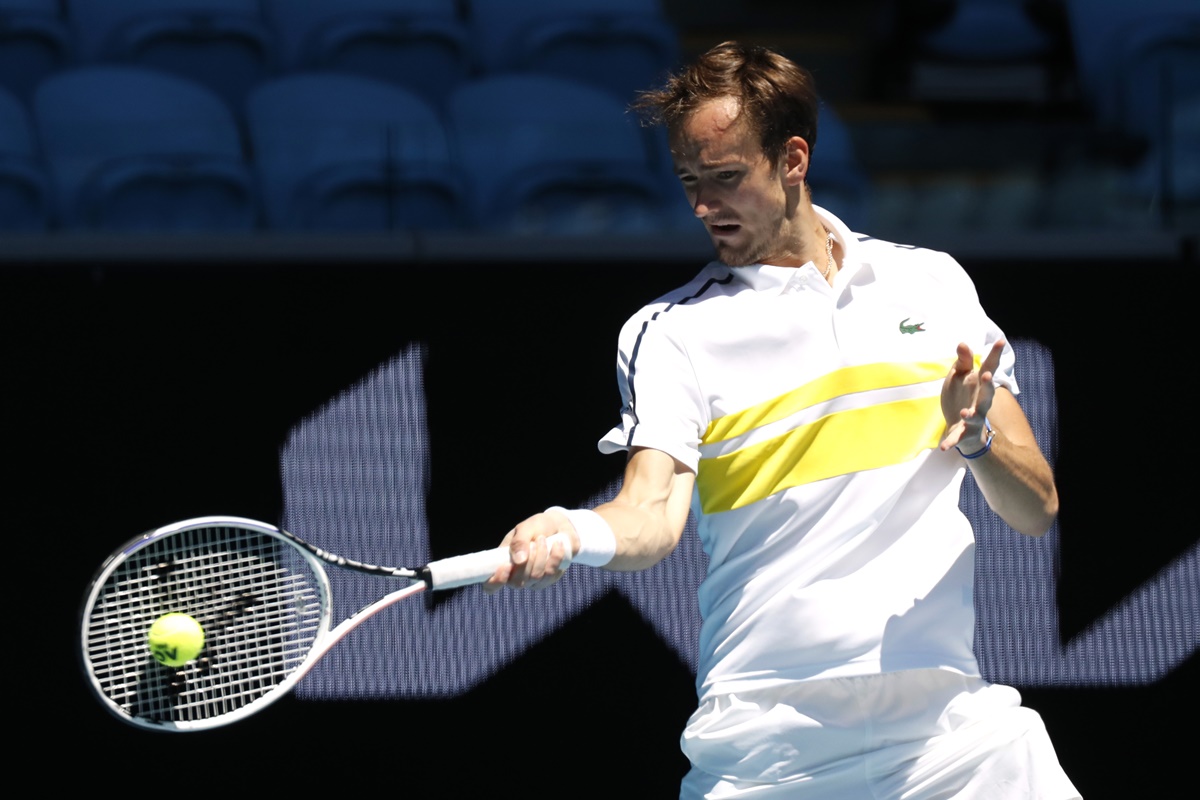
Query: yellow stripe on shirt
<point x="838" y="444"/>
<point x="839" y="383"/>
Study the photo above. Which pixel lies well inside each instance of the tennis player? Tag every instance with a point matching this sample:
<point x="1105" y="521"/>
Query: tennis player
<point x="815" y="396"/>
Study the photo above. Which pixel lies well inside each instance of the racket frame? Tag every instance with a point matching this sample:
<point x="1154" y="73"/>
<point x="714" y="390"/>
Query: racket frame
<point x="445" y="573"/>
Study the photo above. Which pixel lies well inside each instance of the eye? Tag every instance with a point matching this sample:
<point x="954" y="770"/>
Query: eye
<point x="727" y="175"/>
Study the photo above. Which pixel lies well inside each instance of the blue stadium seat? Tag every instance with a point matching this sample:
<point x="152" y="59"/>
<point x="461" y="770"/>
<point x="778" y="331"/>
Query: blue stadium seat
<point x="976" y="51"/>
<point x="224" y="44"/>
<point x="1139" y="68"/>
<point x="343" y="152"/>
<point x="621" y="45"/>
<point x="34" y="42"/>
<point x="549" y="155"/>
<point x="1135" y="60"/>
<point x="1167" y="179"/>
<point x="678" y="216"/>
<point x="419" y="44"/>
<point x="138" y="150"/>
<point x="988" y="30"/>
<point x="838" y="181"/>
<point x="24" y="188"/>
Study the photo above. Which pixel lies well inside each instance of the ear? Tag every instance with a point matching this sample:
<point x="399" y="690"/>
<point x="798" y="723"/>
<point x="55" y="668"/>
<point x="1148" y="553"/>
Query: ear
<point x="796" y="164"/>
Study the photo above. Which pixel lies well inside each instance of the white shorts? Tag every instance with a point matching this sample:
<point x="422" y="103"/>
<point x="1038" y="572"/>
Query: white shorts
<point x="917" y="735"/>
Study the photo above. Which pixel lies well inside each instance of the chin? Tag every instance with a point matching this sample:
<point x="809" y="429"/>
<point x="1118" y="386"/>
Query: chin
<point x="735" y="258"/>
<point x="729" y="255"/>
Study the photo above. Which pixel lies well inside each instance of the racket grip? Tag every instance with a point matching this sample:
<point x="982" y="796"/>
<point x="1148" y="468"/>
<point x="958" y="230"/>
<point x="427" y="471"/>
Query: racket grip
<point x="464" y="570"/>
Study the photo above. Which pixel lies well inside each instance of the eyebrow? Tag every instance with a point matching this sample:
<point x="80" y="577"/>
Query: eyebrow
<point x="715" y="166"/>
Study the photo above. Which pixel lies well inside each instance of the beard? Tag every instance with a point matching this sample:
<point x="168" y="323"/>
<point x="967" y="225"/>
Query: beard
<point x="766" y="246"/>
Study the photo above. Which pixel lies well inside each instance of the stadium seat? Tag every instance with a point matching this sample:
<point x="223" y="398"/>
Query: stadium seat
<point x="348" y="153"/>
<point x="1135" y="60"/>
<point x="620" y="45"/>
<point x="138" y="150"/>
<point x="988" y="30"/>
<point x="24" y="188"/>
<point x="34" y="42"/>
<point x="838" y="182"/>
<point x="678" y="216"/>
<point x="549" y="155"/>
<point x="1139" y="69"/>
<point x="223" y="44"/>
<point x="1167" y="179"/>
<point x="419" y="44"/>
<point x="977" y="51"/>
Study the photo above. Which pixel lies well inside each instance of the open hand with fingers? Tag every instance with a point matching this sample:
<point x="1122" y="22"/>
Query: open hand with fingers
<point x="967" y="395"/>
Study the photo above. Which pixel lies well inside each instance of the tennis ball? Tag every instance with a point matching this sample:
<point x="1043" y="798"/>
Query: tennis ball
<point x="175" y="639"/>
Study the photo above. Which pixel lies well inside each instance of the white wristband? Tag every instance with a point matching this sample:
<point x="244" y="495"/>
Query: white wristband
<point x="597" y="542"/>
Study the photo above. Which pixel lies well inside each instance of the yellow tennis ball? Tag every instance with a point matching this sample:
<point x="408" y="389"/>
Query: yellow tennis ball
<point x="175" y="639"/>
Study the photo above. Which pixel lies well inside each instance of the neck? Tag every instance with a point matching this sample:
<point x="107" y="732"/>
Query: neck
<point x="818" y="243"/>
<point x="824" y="249"/>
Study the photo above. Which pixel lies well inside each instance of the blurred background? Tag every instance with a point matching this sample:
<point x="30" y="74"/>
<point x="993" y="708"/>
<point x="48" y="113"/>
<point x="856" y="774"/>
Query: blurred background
<point x="993" y="120"/>
<point x="358" y="266"/>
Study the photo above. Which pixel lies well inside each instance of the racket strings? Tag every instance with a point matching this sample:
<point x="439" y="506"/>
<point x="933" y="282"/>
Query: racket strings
<point x="261" y="604"/>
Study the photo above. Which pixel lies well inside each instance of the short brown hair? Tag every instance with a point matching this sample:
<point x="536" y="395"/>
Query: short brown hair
<point x="778" y="96"/>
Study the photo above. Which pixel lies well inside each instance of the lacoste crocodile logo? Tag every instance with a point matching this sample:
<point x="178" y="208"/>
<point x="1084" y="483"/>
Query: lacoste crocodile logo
<point x="906" y="328"/>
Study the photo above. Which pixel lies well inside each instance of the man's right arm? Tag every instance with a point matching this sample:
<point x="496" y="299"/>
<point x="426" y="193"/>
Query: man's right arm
<point x="647" y="518"/>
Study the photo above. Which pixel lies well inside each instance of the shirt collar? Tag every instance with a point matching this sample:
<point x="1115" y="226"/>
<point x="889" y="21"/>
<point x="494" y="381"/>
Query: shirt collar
<point x="766" y="278"/>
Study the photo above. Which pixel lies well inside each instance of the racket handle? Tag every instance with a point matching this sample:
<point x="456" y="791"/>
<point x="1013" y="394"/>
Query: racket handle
<point x="464" y="570"/>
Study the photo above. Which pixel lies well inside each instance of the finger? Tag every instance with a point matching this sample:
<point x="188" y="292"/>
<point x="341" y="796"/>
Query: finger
<point x="536" y="568"/>
<point x="518" y="571"/>
<point x="525" y="533"/>
<point x="518" y="550"/>
<point x="545" y="558"/>
<point x="556" y="563"/>
<point x="953" y="436"/>
<point x="992" y="362"/>
<point x="503" y="573"/>
<point x="519" y="542"/>
<point x="965" y="358"/>
<point x="498" y="580"/>
<point x="557" y="555"/>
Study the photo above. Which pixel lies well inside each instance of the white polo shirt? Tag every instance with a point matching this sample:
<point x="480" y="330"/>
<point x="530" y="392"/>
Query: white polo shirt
<point x="811" y="417"/>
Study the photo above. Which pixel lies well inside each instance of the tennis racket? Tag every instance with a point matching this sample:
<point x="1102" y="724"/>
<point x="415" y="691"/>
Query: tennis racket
<point x="263" y="599"/>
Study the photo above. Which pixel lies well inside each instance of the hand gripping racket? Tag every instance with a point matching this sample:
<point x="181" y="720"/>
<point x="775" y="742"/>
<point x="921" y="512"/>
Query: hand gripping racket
<point x="263" y="599"/>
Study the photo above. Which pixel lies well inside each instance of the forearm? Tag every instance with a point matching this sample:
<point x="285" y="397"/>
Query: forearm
<point x="1016" y="481"/>
<point x="636" y="530"/>
<point x="644" y="535"/>
<point x="647" y="517"/>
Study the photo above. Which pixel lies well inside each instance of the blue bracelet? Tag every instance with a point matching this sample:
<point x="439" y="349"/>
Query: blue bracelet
<point x="987" y="445"/>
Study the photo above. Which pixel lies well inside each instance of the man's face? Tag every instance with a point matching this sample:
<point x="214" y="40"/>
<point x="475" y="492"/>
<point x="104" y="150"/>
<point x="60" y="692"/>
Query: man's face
<point x="745" y="203"/>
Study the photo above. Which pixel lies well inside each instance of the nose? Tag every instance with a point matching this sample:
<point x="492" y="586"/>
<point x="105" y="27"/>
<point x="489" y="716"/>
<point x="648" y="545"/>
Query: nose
<point x="703" y="203"/>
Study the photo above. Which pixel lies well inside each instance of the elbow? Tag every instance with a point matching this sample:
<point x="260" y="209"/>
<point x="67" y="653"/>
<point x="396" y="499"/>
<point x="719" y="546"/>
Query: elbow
<point x="1040" y="523"/>
<point x="1052" y="506"/>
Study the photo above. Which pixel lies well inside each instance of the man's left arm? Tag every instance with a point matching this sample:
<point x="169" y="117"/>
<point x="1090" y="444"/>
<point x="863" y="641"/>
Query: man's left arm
<point x="991" y="431"/>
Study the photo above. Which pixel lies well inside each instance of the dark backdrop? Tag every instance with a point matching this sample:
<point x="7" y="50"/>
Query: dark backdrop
<point x="155" y="390"/>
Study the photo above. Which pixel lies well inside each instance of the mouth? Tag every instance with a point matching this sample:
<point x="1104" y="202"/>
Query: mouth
<point x="724" y="229"/>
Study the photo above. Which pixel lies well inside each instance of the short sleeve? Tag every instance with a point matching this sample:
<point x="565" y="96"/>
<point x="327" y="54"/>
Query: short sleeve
<point x="955" y="280"/>
<point x="662" y="406"/>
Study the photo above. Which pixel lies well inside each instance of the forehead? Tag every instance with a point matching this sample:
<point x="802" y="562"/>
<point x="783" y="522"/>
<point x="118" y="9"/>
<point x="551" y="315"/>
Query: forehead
<point x="714" y="133"/>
